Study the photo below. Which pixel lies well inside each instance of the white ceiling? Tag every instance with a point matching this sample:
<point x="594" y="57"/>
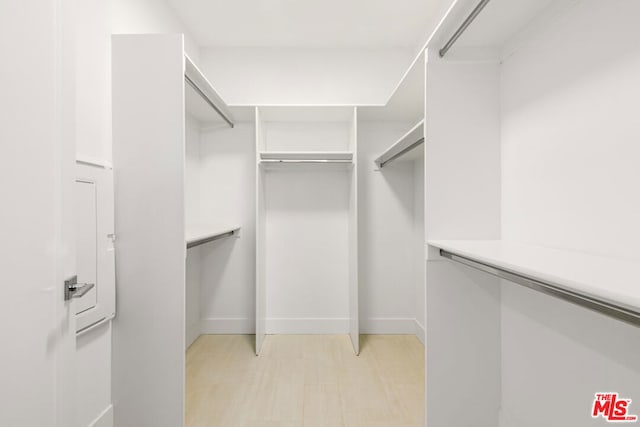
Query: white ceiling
<point x="310" y="23"/>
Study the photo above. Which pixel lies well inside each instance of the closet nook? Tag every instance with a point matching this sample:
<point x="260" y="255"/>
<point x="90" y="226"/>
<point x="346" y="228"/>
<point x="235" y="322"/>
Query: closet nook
<point x="391" y="222"/>
<point x="307" y="230"/>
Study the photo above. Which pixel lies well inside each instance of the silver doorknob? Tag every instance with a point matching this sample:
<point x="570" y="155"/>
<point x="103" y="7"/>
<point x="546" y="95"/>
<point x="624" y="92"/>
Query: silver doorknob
<point x="73" y="289"/>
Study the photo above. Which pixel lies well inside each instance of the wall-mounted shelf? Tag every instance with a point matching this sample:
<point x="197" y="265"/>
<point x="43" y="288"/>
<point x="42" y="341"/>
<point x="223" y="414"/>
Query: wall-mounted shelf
<point x="202" y="101"/>
<point x="604" y="284"/>
<point x="200" y="235"/>
<point x="407" y="143"/>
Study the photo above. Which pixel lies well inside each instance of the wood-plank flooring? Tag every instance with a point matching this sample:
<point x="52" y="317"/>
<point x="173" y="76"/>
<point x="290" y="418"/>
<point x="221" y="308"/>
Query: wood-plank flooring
<point x="305" y="380"/>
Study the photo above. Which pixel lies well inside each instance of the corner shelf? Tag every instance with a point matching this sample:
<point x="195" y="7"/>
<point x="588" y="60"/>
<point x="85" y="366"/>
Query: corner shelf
<point x="605" y="284"/>
<point x="199" y="235"/>
<point x="409" y="141"/>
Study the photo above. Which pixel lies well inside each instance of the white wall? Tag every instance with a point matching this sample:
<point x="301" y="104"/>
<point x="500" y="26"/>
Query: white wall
<point x="227" y="193"/>
<point x="307" y="250"/>
<point x="387" y="234"/>
<point x="305" y="76"/>
<point x="419" y="272"/>
<point x="93" y="79"/>
<point x="150" y="16"/>
<point x="192" y="217"/>
<point x="95" y="21"/>
<point x="570" y="180"/>
<point x="93" y="378"/>
<point x="570" y="134"/>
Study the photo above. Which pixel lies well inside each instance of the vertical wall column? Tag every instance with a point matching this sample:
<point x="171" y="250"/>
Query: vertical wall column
<point x="462" y="152"/>
<point x="354" y="321"/>
<point x="149" y="162"/>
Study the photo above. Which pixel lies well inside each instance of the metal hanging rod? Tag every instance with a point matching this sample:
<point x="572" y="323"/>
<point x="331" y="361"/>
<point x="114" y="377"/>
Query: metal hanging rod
<point x="305" y="161"/>
<point x="208" y="100"/>
<point x="210" y="239"/>
<point x="401" y="153"/>
<point x="476" y="11"/>
<point x="607" y="308"/>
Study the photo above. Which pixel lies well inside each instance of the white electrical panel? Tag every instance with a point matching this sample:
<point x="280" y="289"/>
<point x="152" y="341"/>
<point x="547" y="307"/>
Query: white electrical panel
<point x="94" y="237"/>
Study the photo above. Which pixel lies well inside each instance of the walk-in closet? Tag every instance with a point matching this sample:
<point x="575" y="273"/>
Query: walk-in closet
<point x="320" y="213"/>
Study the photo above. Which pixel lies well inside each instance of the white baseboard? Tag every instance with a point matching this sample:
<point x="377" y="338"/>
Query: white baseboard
<point x="105" y="419"/>
<point x="420" y="332"/>
<point x="223" y="325"/>
<point x="307" y="326"/>
<point x="388" y="325"/>
<point x="374" y="325"/>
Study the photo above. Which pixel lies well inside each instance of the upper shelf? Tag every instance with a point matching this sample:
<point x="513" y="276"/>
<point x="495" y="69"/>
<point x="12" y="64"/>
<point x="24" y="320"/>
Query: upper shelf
<point x="606" y="284"/>
<point x="199" y="235"/>
<point x="201" y="99"/>
<point x="410" y="140"/>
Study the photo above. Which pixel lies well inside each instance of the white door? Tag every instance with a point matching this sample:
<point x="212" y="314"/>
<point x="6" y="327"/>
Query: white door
<point x="37" y="327"/>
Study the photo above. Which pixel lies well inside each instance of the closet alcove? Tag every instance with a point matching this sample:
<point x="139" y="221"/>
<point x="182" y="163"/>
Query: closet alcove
<point x="258" y="216"/>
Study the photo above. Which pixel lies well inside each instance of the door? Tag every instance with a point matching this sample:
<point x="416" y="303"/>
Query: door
<point x="36" y="183"/>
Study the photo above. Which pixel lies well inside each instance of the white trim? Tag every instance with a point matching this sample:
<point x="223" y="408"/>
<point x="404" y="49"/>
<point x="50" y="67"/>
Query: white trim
<point x="373" y="325"/>
<point x="224" y="325"/>
<point x="307" y="105"/>
<point x="338" y="325"/>
<point x="105" y="419"/>
<point x="387" y="325"/>
<point x="420" y="332"/>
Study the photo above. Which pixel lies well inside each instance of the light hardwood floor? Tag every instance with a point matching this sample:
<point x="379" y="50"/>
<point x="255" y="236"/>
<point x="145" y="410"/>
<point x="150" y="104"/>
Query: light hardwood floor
<point x="305" y="380"/>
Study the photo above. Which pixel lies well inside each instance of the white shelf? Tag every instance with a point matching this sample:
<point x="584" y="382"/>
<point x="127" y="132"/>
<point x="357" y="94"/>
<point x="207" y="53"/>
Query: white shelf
<point x="407" y="143"/>
<point x="345" y="156"/>
<point x="199" y="235"/>
<point x="204" y="103"/>
<point x="614" y="281"/>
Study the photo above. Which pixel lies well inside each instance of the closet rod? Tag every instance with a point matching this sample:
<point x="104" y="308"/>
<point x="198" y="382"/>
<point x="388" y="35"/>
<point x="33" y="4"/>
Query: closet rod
<point x="304" y="161"/>
<point x="208" y="100"/>
<point x="401" y="153"/>
<point x="210" y="239"/>
<point x="476" y="11"/>
<point x="548" y="288"/>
